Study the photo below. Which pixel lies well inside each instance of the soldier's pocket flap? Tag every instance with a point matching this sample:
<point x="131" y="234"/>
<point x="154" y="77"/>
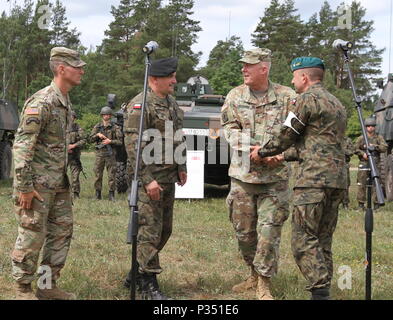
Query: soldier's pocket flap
<point x="304" y="196"/>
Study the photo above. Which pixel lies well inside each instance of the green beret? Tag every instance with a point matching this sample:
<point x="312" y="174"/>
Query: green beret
<point x="307" y="62"/>
<point x="255" y="56"/>
<point x="66" y="55"/>
<point x="163" y="67"/>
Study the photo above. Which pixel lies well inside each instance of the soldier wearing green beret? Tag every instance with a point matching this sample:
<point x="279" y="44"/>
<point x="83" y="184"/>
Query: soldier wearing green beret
<point x="41" y="189"/>
<point x="380" y="146"/>
<point x="158" y="178"/>
<point x="316" y="126"/>
<point x="258" y="201"/>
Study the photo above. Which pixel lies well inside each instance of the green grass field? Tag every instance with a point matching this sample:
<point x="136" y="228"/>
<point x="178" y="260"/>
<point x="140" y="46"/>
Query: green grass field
<point x="201" y="260"/>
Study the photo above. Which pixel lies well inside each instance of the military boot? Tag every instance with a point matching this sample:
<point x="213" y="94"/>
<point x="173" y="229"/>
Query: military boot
<point x="249" y="284"/>
<point x="98" y="194"/>
<point x="138" y="281"/>
<point x="151" y="289"/>
<point x="24" y="292"/>
<point x="111" y="195"/>
<point x="263" y="289"/>
<point x="320" y="294"/>
<point x="54" y="294"/>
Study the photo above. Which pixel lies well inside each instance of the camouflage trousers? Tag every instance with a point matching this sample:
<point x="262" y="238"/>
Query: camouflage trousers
<point x="362" y="184"/>
<point x="346" y="201"/>
<point x="314" y="220"/>
<point x="258" y="212"/>
<point x="155" y="227"/>
<point x="48" y="225"/>
<point x="75" y="173"/>
<point x="108" y="162"/>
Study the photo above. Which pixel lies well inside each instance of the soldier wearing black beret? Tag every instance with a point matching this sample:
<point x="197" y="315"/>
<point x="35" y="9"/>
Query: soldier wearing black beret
<point x="158" y="178"/>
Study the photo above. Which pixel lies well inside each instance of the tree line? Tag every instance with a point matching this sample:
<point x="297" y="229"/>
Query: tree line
<point x="116" y="65"/>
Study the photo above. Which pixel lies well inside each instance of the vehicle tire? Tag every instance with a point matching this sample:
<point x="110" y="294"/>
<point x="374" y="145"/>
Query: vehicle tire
<point x="121" y="177"/>
<point x="5" y="160"/>
<point x="389" y="178"/>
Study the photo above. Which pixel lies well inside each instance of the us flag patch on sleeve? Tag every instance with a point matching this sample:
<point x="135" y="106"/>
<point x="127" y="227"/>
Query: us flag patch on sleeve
<point x="32" y="111"/>
<point x="137" y="106"/>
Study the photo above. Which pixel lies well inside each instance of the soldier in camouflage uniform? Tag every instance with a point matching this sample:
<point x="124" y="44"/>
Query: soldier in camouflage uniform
<point x="158" y="177"/>
<point x="106" y="135"/>
<point x="258" y="199"/>
<point x="316" y="125"/>
<point x="41" y="188"/>
<point x="349" y="150"/>
<point x="363" y="171"/>
<point x="76" y="140"/>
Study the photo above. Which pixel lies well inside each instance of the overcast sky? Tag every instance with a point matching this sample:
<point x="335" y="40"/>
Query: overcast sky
<point x="220" y="19"/>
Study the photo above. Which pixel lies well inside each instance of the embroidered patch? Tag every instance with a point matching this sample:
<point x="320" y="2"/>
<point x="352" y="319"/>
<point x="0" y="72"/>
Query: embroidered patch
<point x="32" y="119"/>
<point x="32" y="111"/>
<point x="137" y="106"/>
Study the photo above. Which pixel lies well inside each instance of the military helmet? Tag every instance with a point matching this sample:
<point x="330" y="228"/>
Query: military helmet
<point x="370" y="122"/>
<point x="106" y="110"/>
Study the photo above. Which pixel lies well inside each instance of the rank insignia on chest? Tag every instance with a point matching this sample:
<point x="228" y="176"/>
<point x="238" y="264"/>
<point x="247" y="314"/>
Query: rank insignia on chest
<point x="32" y="111"/>
<point x="137" y="106"/>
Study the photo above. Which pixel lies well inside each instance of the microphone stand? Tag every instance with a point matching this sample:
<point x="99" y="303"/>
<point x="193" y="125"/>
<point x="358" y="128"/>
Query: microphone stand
<point x="373" y="177"/>
<point x="132" y="231"/>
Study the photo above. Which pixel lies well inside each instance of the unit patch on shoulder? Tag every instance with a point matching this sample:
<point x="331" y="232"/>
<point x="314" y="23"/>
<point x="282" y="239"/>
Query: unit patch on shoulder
<point x="32" y="111"/>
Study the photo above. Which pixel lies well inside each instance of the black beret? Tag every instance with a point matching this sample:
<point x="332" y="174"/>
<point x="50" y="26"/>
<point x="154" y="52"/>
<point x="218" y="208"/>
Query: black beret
<point x="163" y="67"/>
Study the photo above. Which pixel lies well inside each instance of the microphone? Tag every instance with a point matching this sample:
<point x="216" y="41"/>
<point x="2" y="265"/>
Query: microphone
<point x="342" y="44"/>
<point x="150" y="47"/>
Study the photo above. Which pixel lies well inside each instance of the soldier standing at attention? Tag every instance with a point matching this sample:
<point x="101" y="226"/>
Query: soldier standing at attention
<point x="76" y="140"/>
<point x="106" y="135"/>
<point x="157" y="194"/>
<point x="380" y="146"/>
<point x="316" y="125"/>
<point x="258" y="199"/>
<point x="41" y="187"/>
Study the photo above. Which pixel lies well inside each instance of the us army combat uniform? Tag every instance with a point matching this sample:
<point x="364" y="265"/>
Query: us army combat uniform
<point x="40" y="158"/>
<point x="349" y="150"/>
<point x="155" y="217"/>
<point x="75" y="136"/>
<point x="318" y="135"/>
<point x="258" y="199"/>
<point x="105" y="155"/>
<point x="363" y="169"/>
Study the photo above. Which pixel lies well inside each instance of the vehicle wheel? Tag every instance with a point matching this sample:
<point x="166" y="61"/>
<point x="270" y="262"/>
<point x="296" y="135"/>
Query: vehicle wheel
<point x="389" y="178"/>
<point x="5" y="160"/>
<point x="121" y="177"/>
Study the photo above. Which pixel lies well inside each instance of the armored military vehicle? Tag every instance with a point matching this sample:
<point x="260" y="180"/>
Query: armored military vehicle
<point x="202" y="127"/>
<point x="9" y="121"/>
<point x="384" y="115"/>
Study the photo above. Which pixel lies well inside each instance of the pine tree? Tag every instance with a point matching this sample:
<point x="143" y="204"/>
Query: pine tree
<point x="280" y="30"/>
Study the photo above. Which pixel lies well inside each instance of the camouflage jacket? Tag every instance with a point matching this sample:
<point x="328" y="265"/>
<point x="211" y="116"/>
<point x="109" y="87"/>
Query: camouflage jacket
<point x="247" y="121"/>
<point x="76" y="135"/>
<point x="349" y="149"/>
<point x="166" y="140"/>
<point x="318" y="135"/>
<point x="40" y="147"/>
<point x="112" y="132"/>
<point x="375" y="140"/>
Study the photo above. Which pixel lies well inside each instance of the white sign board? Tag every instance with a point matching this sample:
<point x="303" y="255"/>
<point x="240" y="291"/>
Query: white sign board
<point x="194" y="188"/>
